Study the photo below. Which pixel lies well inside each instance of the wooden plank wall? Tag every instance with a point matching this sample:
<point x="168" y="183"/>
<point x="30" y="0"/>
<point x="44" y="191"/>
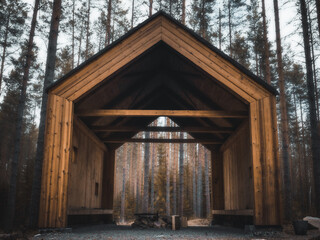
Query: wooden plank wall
<point x="217" y="180"/>
<point x="56" y="162"/>
<point x="266" y="164"/>
<point x="237" y="171"/>
<point x="108" y="179"/>
<point x="86" y="169"/>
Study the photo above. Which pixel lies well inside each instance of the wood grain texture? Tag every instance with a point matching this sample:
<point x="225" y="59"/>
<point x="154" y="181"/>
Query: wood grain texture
<point x="56" y="161"/>
<point x="246" y="172"/>
<point x="85" y="171"/>
<point x="159" y="113"/>
<point x="162" y="129"/>
<point x="237" y="167"/>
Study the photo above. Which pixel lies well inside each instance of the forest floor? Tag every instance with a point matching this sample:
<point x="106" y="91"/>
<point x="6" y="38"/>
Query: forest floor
<point x="112" y="231"/>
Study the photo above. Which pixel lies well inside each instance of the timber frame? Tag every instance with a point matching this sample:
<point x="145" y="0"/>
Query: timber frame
<point x="115" y="94"/>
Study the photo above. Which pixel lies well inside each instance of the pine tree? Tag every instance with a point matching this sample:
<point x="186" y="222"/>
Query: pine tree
<point x="181" y="172"/>
<point x="160" y="181"/>
<point x="284" y="120"/>
<point x="315" y="141"/>
<point x="13" y="14"/>
<point x="234" y="12"/>
<point x="266" y="45"/>
<point x="49" y="76"/>
<point x="318" y="14"/>
<point x="200" y="17"/>
<point x="145" y="203"/>
<point x="28" y="60"/>
<point x="240" y="50"/>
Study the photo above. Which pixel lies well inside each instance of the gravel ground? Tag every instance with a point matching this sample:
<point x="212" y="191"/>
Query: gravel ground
<point x="108" y="231"/>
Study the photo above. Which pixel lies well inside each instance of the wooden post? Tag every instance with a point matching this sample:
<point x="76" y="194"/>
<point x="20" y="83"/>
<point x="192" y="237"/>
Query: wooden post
<point x="58" y="135"/>
<point x="265" y="162"/>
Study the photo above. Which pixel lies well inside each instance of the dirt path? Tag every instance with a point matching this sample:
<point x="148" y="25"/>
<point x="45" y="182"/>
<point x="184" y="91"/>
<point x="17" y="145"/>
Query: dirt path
<point x="108" y="232"/>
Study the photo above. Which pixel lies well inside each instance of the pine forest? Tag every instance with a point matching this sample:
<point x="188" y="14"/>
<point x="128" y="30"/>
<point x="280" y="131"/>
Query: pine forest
<point x="42" y="40"/>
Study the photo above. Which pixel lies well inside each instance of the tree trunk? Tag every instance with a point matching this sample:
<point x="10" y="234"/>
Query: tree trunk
<point x="168" y="150"/>
<point x="194" y="183"/>
<point x="284" y="122"/>
<point x="312" y="106"/>
<point x="318" y="14"/>
<point x="73" y="30"/>
<point x="230" y="27"/>
<point x="174" y="175"/>
<point x="123" y="192"/>
<point x="87" y="31"/>
<point x="266" y="44"/>
<point x="4" y="51"/>
<point x="19" y="122"/>
<point x="80" y="45"/>
<point x="138" y="186"/>
<point x="314" y="64"/>
<point x="199" y="183"/>
<point x="145" y="204"/>
<point x="108" y="30"/>
<point x="183" y="15"/>
<point x="150" y="7"/>
<point x="49" y="76"/>
<point x="181" y="158"/>
<point x="220" y="28"/>
<point x="152" y="172"/>
<point x="207" y="186"/>
<point x="132" y="13"/>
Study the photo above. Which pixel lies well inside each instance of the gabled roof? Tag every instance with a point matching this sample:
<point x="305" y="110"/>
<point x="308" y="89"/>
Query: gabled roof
<point x="195" y="35"/>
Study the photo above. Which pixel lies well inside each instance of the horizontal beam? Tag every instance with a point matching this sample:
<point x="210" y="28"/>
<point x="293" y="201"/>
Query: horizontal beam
<point x="163" y="129"/>
<point x="88" y="211"/>
<point x="162" y="140"/>
<point x="159" y="113"/>
<point x="243" y="212"/>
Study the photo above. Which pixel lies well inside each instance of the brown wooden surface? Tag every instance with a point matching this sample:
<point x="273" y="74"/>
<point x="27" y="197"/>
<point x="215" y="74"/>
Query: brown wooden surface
<point x="237" y="167"/>
<point x="108" y="179"/>
<point x="89" y="211"/>
<point x="241" y="212"/>
<point x="162" y="129"/>
<point x="85" y="171"/>
<point x="159" y="113"/>
<point x="56" y="162"/>
<point x="217" y="180"/>
<point x="162" y="140"/>
<point x="204" y="72"/>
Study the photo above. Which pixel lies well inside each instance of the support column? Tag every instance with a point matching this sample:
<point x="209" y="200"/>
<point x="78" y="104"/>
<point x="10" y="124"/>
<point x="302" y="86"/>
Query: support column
<point x="54" y="183"/>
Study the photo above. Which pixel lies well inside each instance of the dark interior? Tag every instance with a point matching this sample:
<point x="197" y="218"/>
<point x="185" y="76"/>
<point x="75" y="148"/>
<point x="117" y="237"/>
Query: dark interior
<point x="163" y="79"/>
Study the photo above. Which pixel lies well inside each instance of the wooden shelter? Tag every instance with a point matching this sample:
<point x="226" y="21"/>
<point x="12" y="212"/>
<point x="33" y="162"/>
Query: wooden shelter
<point x="160" y="68"/>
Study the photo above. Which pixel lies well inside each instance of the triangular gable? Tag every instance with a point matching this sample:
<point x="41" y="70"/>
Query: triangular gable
<point x="161" y="27"/>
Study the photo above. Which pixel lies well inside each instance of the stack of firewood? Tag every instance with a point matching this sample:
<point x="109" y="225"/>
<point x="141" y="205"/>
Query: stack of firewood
<point x="149" y="220"/>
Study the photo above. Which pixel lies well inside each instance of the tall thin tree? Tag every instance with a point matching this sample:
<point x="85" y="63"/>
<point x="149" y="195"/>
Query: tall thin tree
<point x="19" y="120"/>
<point x="183" y="14"/>
<point x="108" y="30"/>
<point x="284" y="120"/>
<point x="315" y="141"/>
<point x="145" y="203"/>
<point x="318" y="14"/>
<point x="266" y="44"/>
<point x="49" y="76"/>
<point x="181" y="171"/>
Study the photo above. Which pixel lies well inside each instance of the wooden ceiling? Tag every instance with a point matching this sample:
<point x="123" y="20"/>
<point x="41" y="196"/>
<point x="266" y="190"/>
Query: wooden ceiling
<point x="161" y="79"/>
